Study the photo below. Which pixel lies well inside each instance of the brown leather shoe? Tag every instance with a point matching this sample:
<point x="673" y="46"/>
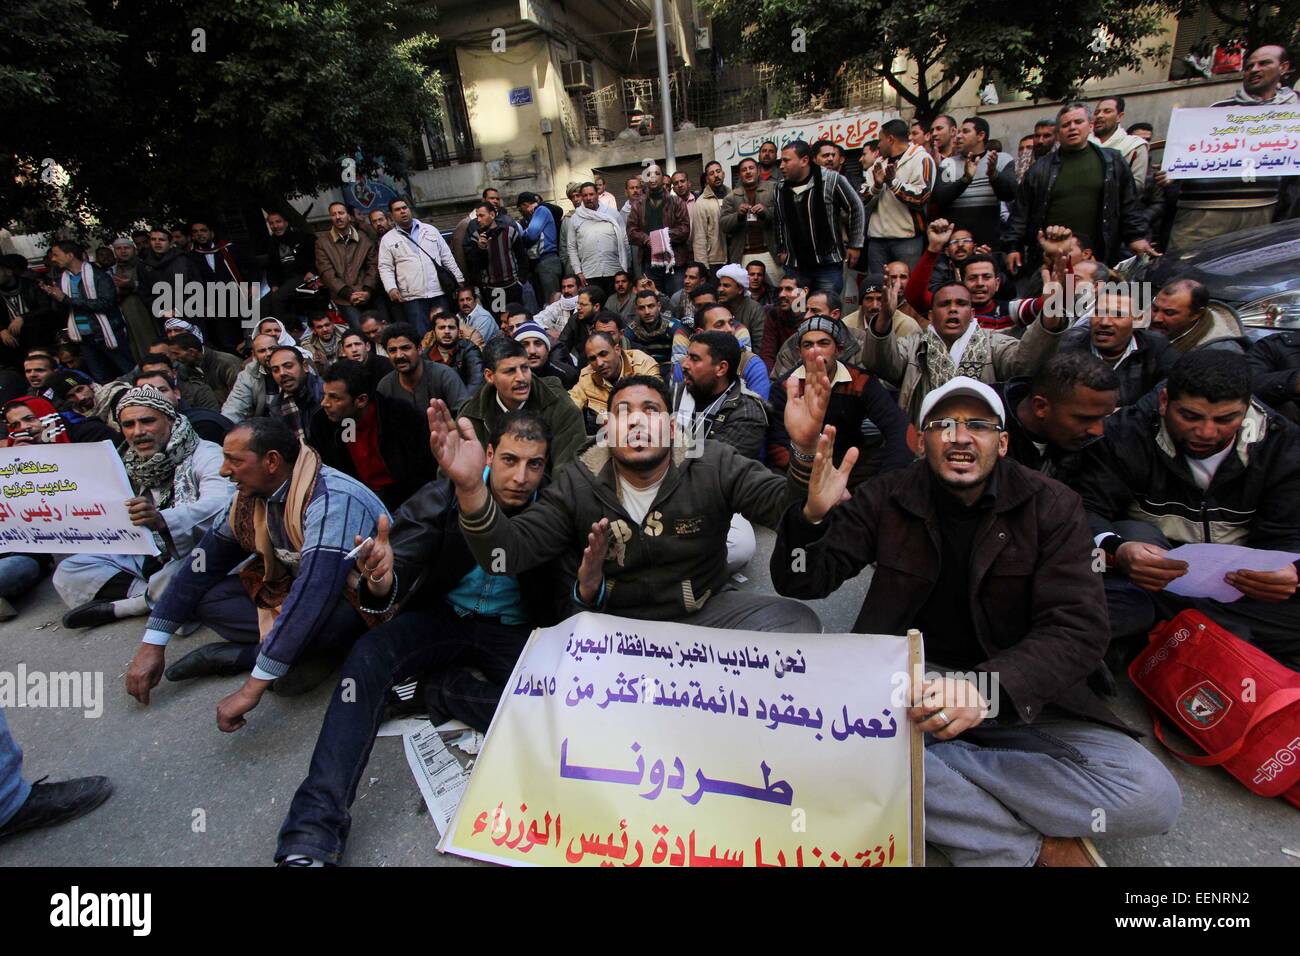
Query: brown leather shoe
<point x="1069" y="851"/>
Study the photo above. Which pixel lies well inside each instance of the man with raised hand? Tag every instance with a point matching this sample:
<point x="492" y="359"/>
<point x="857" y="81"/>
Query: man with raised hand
<point x="655" y="512"/>
<point x="992" y="563"/>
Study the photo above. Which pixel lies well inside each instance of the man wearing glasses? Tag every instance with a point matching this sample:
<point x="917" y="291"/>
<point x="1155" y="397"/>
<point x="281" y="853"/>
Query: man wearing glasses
<point x="992" y="563"/>
<point x="954" y="252"/>
<point x="409" y="256"/>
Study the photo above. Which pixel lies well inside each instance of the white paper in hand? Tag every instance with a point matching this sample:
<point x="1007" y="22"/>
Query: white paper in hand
<point x="1208" y="563"/>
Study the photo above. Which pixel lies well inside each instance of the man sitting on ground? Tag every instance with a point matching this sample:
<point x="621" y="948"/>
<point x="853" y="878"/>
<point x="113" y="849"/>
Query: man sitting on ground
<point x="458" y="354"/>
<point x="325" y="343"/>
<point x="416" y="380"/>
<point x="656" y="334"/>
<point x="297" y="390"/>
<point x="608" y="362"/>
<point x="179" y="489"/>
<point x="1053" y="416"/>
<point x="654" y="519"/>
<point x="752" y="371"/>
<point x="216" y="369"/>
<point x="358" y="348"/>
<point x="952" y="346"/>
<point x="864" y="415"/>
<point x="509" y="384"/>
<point x="422" y="577"/>
<point x="541" y="358"/>
<point x="991" y="561"/>
<point x="1183" y="313"/>
<point x="1140" y="358"/>
<point x="1210" y="466"/>
<point x="369" y="437"/>
<point x="253" y="386"/>
<point x="287" y="612"/>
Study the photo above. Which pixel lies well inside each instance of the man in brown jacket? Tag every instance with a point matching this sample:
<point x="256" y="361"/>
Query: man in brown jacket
<point x="345" y="261"/>
<point x="660" y="208"/>
<point x="746" y="219"/>
<point x="992" y="563"/>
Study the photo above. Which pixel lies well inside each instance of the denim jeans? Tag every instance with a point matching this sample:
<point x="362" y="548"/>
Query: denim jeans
<point x="105" y="364"/>
<point x="13" y="788"/>
<point x="827" y="278"/>
<point x="411" y="644"/>
<point x="993" y="793"/>
<point x="352" y="315"/>
<point x="881" y="252"/>
<point x="18" y="573"/>
<point x="417" y="312"/>
<point x="547" y="272"/>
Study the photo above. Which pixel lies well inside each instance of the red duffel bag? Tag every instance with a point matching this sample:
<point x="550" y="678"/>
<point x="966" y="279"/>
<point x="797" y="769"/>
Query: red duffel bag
<point x="1234" y="701"/>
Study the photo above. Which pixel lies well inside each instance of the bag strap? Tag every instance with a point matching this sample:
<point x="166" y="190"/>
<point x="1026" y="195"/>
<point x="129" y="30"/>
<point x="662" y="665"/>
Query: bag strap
<point x="1275" y="703"/>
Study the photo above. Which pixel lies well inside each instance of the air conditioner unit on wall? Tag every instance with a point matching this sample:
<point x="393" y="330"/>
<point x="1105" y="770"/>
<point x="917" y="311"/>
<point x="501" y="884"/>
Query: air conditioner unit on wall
<point x="577" y="75"/>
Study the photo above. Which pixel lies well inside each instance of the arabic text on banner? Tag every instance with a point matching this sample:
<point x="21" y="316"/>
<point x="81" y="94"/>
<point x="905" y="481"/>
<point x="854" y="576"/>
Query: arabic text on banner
<point x="1234" y="141"/>
<point x="67" y="499"/>
<point x="640" y="743"/>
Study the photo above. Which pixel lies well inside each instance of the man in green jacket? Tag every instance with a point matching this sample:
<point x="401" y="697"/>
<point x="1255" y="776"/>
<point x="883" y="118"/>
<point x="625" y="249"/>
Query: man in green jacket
<point x="510" y="384"/>
<point x="639" y="521"/>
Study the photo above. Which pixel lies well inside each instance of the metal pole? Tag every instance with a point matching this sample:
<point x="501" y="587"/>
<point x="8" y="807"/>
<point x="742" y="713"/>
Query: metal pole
<point x="661" y="42"/>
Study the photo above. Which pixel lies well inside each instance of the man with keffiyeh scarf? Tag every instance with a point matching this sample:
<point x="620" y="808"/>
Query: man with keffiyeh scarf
<point x="179" y="489"/>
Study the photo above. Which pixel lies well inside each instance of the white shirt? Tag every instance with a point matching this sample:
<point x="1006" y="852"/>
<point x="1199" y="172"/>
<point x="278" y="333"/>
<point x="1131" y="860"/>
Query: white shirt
<point x="637" y="501"/>
<point x="1203" y="469"/>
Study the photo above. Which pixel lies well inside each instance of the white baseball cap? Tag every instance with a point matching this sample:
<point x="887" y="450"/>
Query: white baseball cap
<point x="963" y="385"/>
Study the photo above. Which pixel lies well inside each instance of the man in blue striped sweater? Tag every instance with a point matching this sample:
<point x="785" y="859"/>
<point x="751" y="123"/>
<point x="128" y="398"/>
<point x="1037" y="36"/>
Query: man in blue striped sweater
<point x="296" y="519"/>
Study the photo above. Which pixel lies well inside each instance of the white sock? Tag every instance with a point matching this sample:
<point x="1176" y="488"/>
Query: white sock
<point x="131" y="607"/>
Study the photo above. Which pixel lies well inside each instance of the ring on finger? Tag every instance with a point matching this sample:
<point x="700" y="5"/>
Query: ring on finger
<point x="944" y="717"/>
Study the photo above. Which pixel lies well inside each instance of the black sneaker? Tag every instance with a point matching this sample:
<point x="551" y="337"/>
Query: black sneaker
<point x="52" y="803"/>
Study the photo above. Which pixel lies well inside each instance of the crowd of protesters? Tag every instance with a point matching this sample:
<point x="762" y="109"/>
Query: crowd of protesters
<point x="430" y="447"/>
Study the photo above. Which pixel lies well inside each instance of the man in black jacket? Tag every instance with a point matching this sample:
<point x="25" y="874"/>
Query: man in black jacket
<point x="377" y="440"/>
<point x="290" y="261"/>
<point x="1210" y="467"/>
<point x="1141" y="359"/>
<point x="445" y="614"/>
<point x="1062" y="410"/>
<point x="989" y="560"/>
<point x="1081" y="186"/>
<point x="1275" y="372"/>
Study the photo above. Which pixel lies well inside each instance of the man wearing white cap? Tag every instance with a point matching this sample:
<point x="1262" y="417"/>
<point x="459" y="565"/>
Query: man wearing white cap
<point x="733" y="292"/>
<point x="992" y="563"/>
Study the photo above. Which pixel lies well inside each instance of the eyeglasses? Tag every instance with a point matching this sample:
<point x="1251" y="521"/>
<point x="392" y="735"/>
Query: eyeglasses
<point x="975" y="426"/>
<point x="961" y="242"/>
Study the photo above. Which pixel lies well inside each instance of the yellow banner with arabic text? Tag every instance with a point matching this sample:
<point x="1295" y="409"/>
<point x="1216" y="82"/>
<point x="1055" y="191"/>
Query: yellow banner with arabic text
<point x="642" y="743"/>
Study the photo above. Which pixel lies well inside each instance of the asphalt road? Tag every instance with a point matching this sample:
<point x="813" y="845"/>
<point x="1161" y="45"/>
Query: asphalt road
<point x="189" y="795"/>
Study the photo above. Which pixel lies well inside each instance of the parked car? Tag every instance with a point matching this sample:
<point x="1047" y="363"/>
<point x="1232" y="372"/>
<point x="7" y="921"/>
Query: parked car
<point x="1255" y="271"/>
